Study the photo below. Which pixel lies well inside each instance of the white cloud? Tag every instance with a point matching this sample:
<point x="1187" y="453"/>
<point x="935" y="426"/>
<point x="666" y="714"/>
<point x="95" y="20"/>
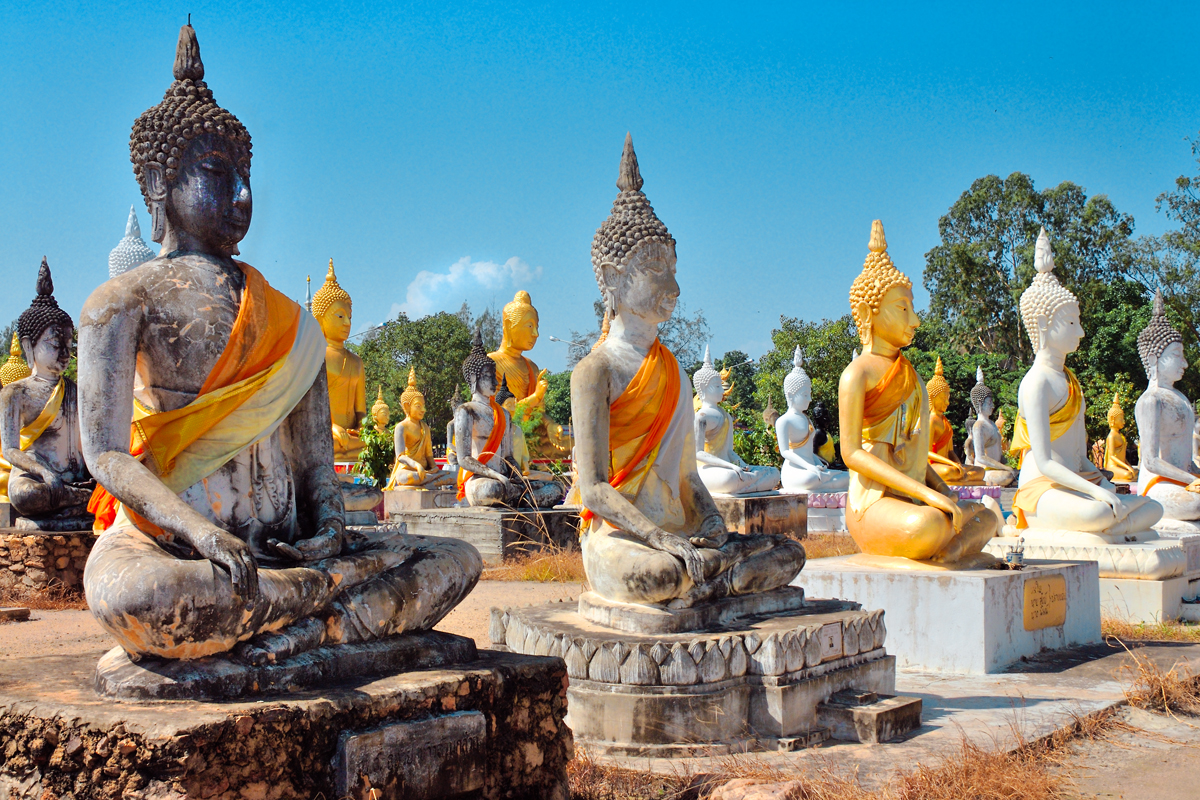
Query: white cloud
<point x="430" y="292"/>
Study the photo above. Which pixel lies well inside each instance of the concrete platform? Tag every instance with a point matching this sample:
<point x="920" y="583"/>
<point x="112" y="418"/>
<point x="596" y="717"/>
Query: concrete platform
<point x="971" y="621"/>
<point x="498" y="533"/>
<point x="406" y="499"/>
<point x="764" y="512"/>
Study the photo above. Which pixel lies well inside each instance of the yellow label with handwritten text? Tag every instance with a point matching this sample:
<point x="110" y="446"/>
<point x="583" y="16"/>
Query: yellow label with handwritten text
<point x="1045" y="602"/>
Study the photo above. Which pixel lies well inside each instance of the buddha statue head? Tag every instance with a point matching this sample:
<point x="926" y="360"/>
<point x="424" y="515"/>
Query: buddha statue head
<point x="633" y="255"/>
<point x="520" y="324"/>
<point x="46" y="330"/>
<point x="131" y="251"/>
<point x="1116" y="414"/>
<point x="192" y="161"/>
<point x="15" y="368"/>
<point x="707" y="382"/>
<point x="1160" y="346"/>
<point x="981" y="396"/>
<point x="479" y="370"/>
<point x="1049" y="311"/>
<point x="380" y="412"/>
<point x="331" y="305"/>
<point x="505" y="397"/>
<point x="411" y="400"/>
<point x="938" y="389"/>
<point x="797" y="386"/>
<point x="881" y="298"/>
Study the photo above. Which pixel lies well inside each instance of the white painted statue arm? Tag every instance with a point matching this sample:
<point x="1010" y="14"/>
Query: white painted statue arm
<point x="1149" y="414"/>
<point x="700" y="431"/>
<point x="791" y="456"/>
<point x="982" y="459"/>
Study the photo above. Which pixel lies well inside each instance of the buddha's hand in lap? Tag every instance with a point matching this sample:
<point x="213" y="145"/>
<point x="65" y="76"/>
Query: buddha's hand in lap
<point x="228" y="551"/>
<point x="326" y="544"/>
<point x="712" y="533"/>
<point x="1194" y="486"/>
<point x="948" y="506"/>
<point x="681" y="549"/>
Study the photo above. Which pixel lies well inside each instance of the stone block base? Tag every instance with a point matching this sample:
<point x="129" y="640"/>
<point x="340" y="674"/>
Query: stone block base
<point x="1144" y="555"/>
<point x="756" y="681"/>
<point x="1143" y="601"/>
<point x="764" y="512"/>
<point x="493" y="728"/>
<point x="497" y="533"/>
<point x="35" y="560"/>
<point x="398" y="500"/>
<point x="869" y="718"/>
<point x="968" y="621"/>
<point x="634" y="618"/>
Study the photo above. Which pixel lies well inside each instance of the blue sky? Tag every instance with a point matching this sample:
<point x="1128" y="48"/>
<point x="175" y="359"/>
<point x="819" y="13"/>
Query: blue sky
<point x="441" y="153"/>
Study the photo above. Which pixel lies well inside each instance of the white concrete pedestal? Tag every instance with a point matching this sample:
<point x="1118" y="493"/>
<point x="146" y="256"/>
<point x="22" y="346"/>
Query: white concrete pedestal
<point x="966" y="622"/>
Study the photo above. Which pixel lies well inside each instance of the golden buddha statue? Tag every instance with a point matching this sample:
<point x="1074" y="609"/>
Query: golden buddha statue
<point x="415" y="466"/>
<point x="527" y="384"/>
<point x="331" y="305"/>
<point x="898" y="505"/>
<point x="941" y="436"/>
<point x="381" y="414"/>
<point x="1114" y="445"/>
<point x="15" y="368"/>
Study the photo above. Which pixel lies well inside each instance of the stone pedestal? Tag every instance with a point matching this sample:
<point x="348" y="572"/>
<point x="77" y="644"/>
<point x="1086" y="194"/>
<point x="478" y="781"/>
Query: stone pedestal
<point x="405" y="499"/>
<point x="971" y="621"/>
<point x="760" y="681"/>
<point x="497" y="533"/>
<point x="492" y="728"/>
<point x="764" y="512"/>
<point x="827" y="512"/>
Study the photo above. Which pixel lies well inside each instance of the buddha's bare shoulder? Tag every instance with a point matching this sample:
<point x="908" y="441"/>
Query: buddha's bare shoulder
<point x="596" y="365"/>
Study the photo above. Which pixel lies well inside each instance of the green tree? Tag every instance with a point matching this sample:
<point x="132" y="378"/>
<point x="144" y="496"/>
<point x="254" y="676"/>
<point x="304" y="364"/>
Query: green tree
<point x="435" y="346"/>
<point x="827" y="346"/>
<point x="558" y="396"/>
<point x="742" y="375"/>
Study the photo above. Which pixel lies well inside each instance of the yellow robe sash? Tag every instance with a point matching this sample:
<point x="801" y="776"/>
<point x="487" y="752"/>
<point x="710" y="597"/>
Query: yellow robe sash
<point x="490" y="447"/>
<point x="717" y="443"/>
<point x="891" y="418"/>
<point x="31" y="432"/>
<point x="1027" y="496"/>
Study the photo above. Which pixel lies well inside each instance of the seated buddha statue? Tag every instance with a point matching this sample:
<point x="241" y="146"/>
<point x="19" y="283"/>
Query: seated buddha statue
<point x="483" y="445"/>
<point x="415" y="466"/>
<point x="43" y="472"/>
<point x="381" y="413"/>
<point x="803" y="470"/>
<point x="1115" y="445"/>
<point x="521" y="458"/>
<point x="652" y="533"/>
<point x="987" y="446"/>
<point x="721" y="469"/>
<point x="519" y="333"/>
<point x="1059" y="488"/>
<point x="898" y="505"/>
<point x="1169" y="464"/>
<point x="213" y="446"/>
<point x="454" y="402"/>
<point x="941" y="435"/>
<point x="331" y="305"/>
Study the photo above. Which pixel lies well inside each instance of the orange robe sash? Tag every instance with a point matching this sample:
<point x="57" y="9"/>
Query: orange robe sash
<point x="490" y="447"/>
<point x="940" y="447"/>
<point x="1157" y="479"/>
<point x="888" y="395"/>
<point x="633" y="434"/>
<point x="262" y="337"/>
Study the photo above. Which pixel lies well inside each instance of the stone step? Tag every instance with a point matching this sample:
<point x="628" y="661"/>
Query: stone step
<point x="868" y="717"/>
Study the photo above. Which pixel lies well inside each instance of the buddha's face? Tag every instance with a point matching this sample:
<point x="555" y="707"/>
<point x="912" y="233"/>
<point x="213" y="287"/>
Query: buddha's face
<point x="1116" y="419"/>
<point x="1171" y="364"/>
<point x="987" y="407"/>
<point x="799" y="400"/>
<point x="381" y="417"/>
<point x="650" y="288"/>
<point x="1064" y="332"/>
<point x="210" y="197"/>
<point x="485" y="384"/>
<point x="51" y="353"/>
<point x="711" y="392"/>
<point x="523" y="334"/>
<point x="335" y="323"/>
<point x="939" y="402"/>
<point x="897" y="320"/>
<point x="415" y="410"/>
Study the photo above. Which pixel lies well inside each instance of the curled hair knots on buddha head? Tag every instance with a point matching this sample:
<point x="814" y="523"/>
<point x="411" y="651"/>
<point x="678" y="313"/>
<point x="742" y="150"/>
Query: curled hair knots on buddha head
<point x="503" y="394"/>
<point x="878" y="275"/>
<point x="43" y="312"/>
<point x="797" y="379"/>
<point x="478" y="364"/>
<point x="330" y="292"/>
<point x="1045" y="294"/>
<point x="187" y="110"/>
<point x="1157" y="336"/>
<point x="411" y="392"/>
<point x="631" y="225"/>
<point x="706" y="375"/>
<point x="517" y="308"/>
<point x="979" y="392"/>
<point x="938" y="386"/>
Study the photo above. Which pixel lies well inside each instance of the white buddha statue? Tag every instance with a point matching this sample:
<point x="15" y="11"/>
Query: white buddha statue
<point x="987" y="449"/>
<point x="803" y="470"/>
<point x="131" y="251"/>
<point x="1059" y="488"/>
<point x="722" y="470"/>
<point x="1167" y="470"/>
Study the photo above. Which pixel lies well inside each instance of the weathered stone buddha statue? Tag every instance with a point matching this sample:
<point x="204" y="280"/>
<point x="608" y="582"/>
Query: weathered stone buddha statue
<point x="652" y="531"/>
<point x="987" y="445"/>
<point x="1169" y="463"/>
<point x="43" y="472"/>
<point x="131" y="251"/>
<point x="1115" y="445"/>
<point x="526" y="383"/>
<point x="483" y="439"/>
<point x="803" y="470"/>
<point x="454" y="402"/>
<point x="381" y="413"/>
<point x="331" y="305"/>
<point x="721" y="469"/>
<point x="415" y="466"/>
<point x="220" y="515"/>
<point x="941" y="435"/>
<point x="898" y="505"/>
<point x="15" y="368"/>
<point x="1059" y="488"/>
<point x="521" y="458"/>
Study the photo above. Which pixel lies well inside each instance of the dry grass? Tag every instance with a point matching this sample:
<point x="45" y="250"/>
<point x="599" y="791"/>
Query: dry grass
<point x="547" y="566"/>
<point x="1125" y="631"/>
<point x="828" y="545"/>
<point x="1169" y="690"/>
<point x="55" y="597"/>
